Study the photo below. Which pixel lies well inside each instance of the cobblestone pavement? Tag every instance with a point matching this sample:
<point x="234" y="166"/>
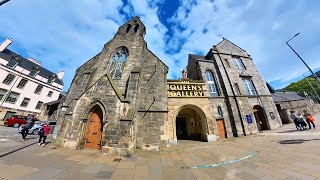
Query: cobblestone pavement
<point x="251" y="157"/>
<point x="8" y="132"/>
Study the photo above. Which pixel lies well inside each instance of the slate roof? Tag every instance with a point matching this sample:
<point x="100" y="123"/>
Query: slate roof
<point x="26" y="64"/>
<point x="286" y="96"/>
<point x="194" y="56"/>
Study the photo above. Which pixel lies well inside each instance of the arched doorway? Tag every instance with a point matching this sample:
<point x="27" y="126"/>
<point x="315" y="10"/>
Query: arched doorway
<point x="94" y="130"/>
<point x="260" y="117"/>
<point x="190" y="124"/>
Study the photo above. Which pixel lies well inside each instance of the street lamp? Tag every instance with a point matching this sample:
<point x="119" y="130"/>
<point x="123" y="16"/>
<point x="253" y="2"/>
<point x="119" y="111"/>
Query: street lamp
<point x="301" y="58"/>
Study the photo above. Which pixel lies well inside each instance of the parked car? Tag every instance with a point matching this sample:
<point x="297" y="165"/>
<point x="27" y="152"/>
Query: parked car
<point x="37" y="125"/>
<point x="15" y="121"/>
<point x="35" y="128"/>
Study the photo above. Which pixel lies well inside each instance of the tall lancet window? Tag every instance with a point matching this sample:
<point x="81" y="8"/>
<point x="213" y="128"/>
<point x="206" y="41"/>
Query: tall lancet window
<point x="118" y="58"/>
<point x="213" y="90"/>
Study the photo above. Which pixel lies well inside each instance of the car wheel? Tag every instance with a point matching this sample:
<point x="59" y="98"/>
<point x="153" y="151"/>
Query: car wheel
<point x="16" y="125"/>
<point x="35" y="131"/>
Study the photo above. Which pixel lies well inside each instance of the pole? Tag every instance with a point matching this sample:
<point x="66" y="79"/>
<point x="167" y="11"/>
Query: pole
<point x="318" y="98"/>
<point x="301" y="58"/>
<point x="3" y="2"/>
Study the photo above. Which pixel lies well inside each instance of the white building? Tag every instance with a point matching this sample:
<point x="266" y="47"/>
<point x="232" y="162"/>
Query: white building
<point x="24" y="85"/>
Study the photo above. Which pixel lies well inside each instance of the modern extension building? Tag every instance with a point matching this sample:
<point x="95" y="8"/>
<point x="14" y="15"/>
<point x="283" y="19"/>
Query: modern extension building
<point x="121" y="100"/>
<point x="24" y="84"/>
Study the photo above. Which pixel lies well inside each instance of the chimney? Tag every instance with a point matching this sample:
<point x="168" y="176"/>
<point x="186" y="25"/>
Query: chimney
<point x="60" y="74"/>
<point x="34" y="61"/>
<point x="5" y="44"/>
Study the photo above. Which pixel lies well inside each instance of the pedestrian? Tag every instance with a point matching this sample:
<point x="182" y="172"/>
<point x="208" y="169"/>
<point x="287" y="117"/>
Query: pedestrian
<point x="301" y="121"/>
<point x="26" y="127"/>
<point x="43" y="133"/>
<point x="309" y="119"/>
<point x="294" y="118"/>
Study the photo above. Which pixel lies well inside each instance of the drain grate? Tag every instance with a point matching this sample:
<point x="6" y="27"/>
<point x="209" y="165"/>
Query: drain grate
<point x="116" y="160"/>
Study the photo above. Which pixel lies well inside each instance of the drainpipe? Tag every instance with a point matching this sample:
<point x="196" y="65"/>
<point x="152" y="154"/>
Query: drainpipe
<point x="233" y="94"/>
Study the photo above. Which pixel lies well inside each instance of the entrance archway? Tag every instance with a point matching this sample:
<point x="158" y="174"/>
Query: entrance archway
<point x="94" y="130"/>
<point x="260" y="117"/>
<point x="190" y="123"/>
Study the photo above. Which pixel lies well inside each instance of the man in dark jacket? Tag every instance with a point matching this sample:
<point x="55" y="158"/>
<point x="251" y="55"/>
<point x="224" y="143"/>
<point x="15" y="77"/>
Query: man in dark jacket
<point x="26" y="127"/>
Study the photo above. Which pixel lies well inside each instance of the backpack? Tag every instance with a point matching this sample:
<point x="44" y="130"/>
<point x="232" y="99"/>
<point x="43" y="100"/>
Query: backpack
<point x="41" y="131"/>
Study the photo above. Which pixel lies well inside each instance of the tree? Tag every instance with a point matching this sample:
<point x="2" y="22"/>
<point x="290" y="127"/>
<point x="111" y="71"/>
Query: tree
<point x="303" y="86"/>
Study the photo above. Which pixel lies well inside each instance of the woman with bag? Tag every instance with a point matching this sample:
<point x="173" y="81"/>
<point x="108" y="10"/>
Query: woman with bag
<point x="43" y="133"/>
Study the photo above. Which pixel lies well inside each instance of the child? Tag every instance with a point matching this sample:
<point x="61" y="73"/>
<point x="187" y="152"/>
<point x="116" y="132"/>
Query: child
<point x="43" y="132"/>
<point x="310" y="120"/>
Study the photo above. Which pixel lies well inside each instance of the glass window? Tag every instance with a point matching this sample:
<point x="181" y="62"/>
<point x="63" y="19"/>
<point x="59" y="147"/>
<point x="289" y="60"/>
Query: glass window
<point x="12" y="98"/>
<point x="50" y="80"/>
<point x="39" y="104"/>
<point x="12" y="63"/>
<point x="2" y="93"/>
<point x="33" y="72"/>
<point x="117" y="63"/>
<point x="238" y="63"/>
<point x="236" y="86"/>
<point x="211" y="84"/>
<point x="8" y="80"/>
<point x="50" y="93"/>
<point x="25" y="102"/>
<point x="38" y="89"/>
<point x="22" y="83"/>
<point x="249" y="87"/>
<point x="220" y="113"/>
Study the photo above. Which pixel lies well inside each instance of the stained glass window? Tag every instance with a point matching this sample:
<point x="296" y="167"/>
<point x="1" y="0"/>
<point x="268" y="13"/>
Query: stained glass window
<point x="118" y="58"/>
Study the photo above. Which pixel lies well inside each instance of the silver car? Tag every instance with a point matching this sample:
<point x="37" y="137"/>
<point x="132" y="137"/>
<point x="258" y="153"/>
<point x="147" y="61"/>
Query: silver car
<point x="37" y="125"/>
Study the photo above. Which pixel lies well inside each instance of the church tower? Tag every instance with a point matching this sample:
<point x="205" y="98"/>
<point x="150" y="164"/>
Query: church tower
<point x="117" y="100"/>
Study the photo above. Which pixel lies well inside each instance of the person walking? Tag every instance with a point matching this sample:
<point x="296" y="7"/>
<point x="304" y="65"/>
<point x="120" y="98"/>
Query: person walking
<point x="309" y="119"/>
<point x="301" y="121"/>
<point x="26" y="127"/>
<point x="43" y="133"/>
<point x="294" y="118"/>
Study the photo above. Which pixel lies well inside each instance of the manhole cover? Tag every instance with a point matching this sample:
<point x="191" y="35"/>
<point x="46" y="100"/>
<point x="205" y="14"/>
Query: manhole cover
<point x="116" y="160"/>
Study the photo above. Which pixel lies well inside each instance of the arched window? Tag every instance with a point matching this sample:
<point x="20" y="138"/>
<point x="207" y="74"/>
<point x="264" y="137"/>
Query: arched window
<point x="220" y="113"/>
<point x="118" y="58"/>
<point x="128" y="27"/>
<point x="136" y="28"/>
<point x="213" y="90"/>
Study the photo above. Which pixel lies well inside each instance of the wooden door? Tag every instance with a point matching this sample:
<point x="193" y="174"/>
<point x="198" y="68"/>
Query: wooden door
<point x="94" y="131"/>
<point x="221" y="129"/>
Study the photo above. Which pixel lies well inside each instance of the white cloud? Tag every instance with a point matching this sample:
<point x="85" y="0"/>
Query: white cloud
<point x="65" y="34"/>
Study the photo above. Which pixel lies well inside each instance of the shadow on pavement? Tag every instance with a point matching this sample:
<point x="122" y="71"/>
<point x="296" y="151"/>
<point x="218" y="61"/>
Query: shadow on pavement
<point x="296" y="141"/>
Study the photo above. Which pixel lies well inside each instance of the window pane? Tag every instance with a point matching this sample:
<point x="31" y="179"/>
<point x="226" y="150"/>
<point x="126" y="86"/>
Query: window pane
<point x="12" y="63"/>
<point x="12" y="98"/>
<point x="39" y="104"/>
<point x="248" y="85"/>
<point x="238" y="63"/>
<point x="8" y="80"/>
<point x="2" y="93"/>
<point x="117" y="63"/>
<point x="22" y="83"/>
<point x="211" y="84"/>
<point x="25" y="102"/>
<point x="38" y="89"/>
<point x="50" y="93"/>
<point x="33" y="72"/>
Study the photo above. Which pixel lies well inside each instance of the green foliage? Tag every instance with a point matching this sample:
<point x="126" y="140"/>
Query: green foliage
<point x="303" y="85"/>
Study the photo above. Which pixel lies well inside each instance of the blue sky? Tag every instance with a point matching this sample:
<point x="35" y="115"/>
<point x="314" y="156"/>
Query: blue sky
<point x="65" y="34"/>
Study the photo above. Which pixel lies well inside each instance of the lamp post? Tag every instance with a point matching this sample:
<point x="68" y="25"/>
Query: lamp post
<point x="318" y="98"/>
<point x="301" y="58"/>
<point x="3" y="1"/>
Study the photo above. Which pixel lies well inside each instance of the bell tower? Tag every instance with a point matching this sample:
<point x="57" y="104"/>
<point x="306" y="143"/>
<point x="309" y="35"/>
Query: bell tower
<point x="133" y="27"/>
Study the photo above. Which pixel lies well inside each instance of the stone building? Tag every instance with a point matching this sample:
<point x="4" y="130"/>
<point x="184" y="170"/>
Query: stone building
<point x="121" y="100"/>
<point x="298" y="102"/>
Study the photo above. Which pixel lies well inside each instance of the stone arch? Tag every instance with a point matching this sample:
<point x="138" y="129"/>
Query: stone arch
<point x="94" y="119"/>
<point x="202" y="120"/>
<point x="261" y="118"/>
<point x="128" y="28"/>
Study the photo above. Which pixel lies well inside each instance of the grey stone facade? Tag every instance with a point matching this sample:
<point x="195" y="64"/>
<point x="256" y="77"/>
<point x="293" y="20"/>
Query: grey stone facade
<point x="136" y="110"/>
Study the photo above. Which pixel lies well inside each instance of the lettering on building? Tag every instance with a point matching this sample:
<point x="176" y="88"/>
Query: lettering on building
<point x="185" y="89"/>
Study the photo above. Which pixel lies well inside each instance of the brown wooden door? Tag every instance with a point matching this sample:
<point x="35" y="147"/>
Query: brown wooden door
<point x="93" y="137"/>
<point x="221" y="129"/>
